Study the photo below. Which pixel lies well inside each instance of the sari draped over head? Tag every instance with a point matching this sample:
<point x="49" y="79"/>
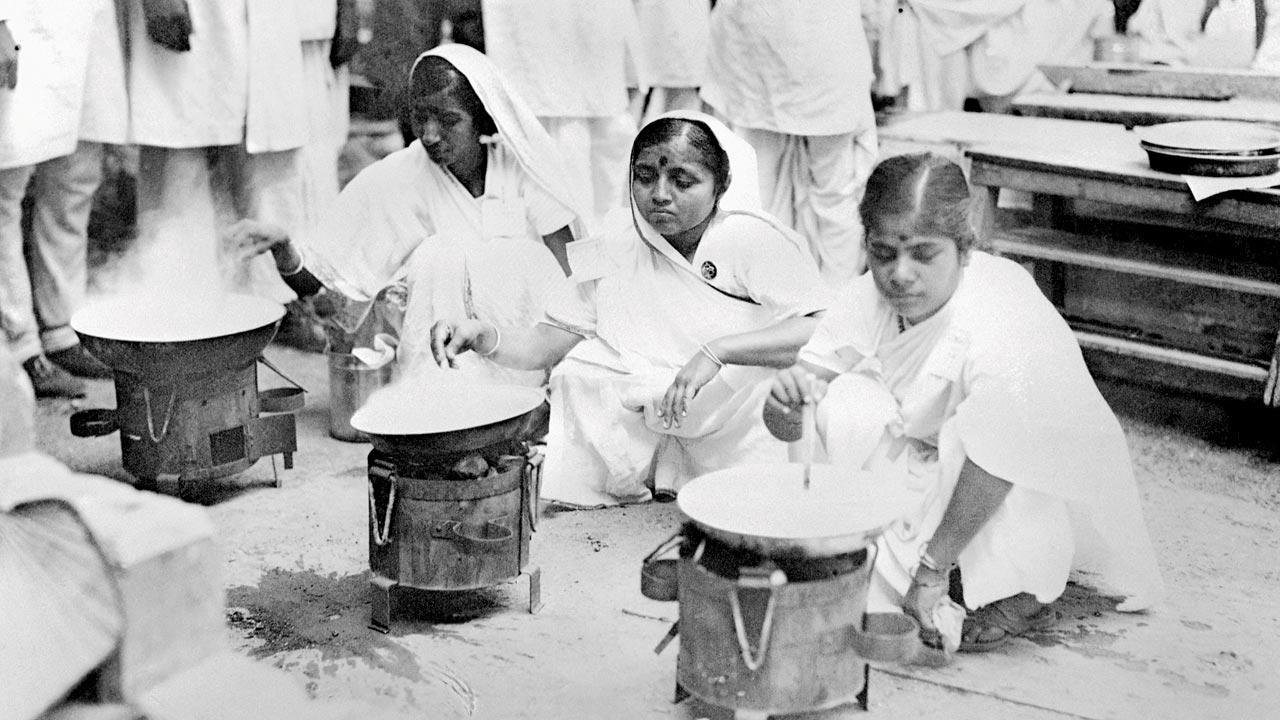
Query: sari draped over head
<point x="408" y="219"/>
<point x="995" y="377"/>
<point x="645" y="310"/>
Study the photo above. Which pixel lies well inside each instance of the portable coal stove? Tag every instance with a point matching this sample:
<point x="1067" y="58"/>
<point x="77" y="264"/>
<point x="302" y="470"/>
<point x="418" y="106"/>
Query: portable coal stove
<point x="188" y="406"/>
<point x="772" y="581"/>
<point x="453" y="489"/>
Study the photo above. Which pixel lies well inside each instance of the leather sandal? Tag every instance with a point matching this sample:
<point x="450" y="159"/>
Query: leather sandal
<point x="993" y="625"/>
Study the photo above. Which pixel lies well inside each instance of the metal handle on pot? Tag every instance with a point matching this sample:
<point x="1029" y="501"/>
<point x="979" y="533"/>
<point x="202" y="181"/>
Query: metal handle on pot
<point x="453" y="530"/>
<point x="659" y="576"/>
<point x="381" y="533"/>
<point x="533" y="468"/>
<point x="168" y="414"/>
<point x="93" y="422"/>
<point x="765" y="577"/>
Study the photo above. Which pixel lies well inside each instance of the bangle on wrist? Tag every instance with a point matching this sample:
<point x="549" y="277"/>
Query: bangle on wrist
<point x="927" y="562"/>
<point x="706" y="350"/>
<point x="497" y="340"/>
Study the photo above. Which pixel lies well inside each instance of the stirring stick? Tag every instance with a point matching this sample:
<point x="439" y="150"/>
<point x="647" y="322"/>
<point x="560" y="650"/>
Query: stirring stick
<point x="808" y="430"/>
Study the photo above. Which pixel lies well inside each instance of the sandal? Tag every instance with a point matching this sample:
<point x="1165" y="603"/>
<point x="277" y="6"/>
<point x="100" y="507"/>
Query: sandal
<point x="993" y="625"/>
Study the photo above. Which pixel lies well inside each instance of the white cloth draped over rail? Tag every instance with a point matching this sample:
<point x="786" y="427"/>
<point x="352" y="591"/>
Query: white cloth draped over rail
<point x="996" y="377"/>
<point x="644" y="311"/>
<point x="405" y="217"/>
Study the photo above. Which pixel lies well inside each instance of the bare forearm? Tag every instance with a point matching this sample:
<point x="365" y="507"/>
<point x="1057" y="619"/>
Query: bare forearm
<point x="536" y="348"/>
<point x="977" y="496"/>
<point x="773" y="346"/>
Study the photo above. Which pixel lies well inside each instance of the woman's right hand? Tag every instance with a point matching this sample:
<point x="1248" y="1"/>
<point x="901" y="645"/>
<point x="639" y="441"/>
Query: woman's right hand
<point x="795" y="386"/>
<point x="449" y="339"/>
<point x="249" y="238"/>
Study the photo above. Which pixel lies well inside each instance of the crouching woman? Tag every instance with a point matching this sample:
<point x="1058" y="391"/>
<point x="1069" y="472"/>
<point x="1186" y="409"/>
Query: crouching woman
<point x="949" y="365"/>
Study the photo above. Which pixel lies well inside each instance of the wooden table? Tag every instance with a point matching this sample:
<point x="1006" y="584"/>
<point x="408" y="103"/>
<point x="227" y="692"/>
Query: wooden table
<point x="1132" y="111"/>
<point x="1158" y="287"/>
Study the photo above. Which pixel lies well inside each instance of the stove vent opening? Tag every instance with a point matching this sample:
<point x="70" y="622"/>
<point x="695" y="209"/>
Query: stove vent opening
<point x="227" y="446"/>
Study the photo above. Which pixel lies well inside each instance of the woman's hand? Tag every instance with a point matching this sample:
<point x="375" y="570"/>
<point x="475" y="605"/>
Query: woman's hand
<point x="249" y="238"/>
<point x="928" y="588"/>
<point x="795" y="386"/>
<point x="697" y="372"/>
<point x="449" y="340"/>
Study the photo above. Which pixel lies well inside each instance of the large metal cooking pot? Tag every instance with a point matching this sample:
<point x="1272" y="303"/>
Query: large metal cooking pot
<point x="154" y="338"/>
<point x="768" y="510"/>
<point x="419" y="420"/>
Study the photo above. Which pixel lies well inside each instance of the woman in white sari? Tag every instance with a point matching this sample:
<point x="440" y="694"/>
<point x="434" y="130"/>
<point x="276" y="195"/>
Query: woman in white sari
<point x="474" y="215"/>
<point x="949" y="367"/>
<point x="674" y="316"/>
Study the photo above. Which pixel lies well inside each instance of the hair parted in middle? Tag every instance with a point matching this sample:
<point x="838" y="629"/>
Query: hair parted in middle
<point x="928" y="189"/>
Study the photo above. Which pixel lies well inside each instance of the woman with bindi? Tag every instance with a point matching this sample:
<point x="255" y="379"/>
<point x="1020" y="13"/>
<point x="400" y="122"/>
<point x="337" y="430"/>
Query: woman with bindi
<point x="473" y="217"/>
<point x="946" y="368"/>
<point x="667" y="336"/>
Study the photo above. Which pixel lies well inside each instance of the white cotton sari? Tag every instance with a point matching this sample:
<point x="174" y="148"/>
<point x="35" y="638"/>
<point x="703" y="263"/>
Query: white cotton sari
<point x="645" y="310"/>
<point x="996" y="377"/>
<point x="406" y="218"/>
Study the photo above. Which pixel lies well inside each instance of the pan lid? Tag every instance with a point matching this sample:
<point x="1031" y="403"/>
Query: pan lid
<point x="414" y="408"/>
<point x="142" y="317"/>
<point x="1211" y="136"/>
<point x="770" y="501"/>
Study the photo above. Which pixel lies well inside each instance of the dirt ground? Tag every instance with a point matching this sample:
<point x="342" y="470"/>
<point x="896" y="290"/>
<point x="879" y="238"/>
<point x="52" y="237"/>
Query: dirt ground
<point x="297" y="578"/>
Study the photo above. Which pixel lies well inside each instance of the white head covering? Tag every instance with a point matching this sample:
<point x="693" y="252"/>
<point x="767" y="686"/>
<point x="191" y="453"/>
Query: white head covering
<point x="518" y="128"/>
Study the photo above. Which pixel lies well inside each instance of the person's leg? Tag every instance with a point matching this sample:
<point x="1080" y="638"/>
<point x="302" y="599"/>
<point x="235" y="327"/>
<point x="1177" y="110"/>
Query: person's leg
<point x="17" y="313"/>
<point x="268" y="187"/>
<point x="573" y="138"/>
<point x="610" y="145"/>
<point x="63" y="189"/>
<point x="837" y="168"/>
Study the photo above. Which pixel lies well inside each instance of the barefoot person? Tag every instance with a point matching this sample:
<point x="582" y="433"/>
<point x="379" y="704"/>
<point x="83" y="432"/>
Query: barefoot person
<point x="951" y="364"/>
<point x="674" y="315"/>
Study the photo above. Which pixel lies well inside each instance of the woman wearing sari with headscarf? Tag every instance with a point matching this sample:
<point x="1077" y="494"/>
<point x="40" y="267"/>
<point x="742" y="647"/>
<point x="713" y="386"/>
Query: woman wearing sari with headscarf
<point x="474" y="215"/>
<point x="948" y="367"/>
<point x="674" y="316"/>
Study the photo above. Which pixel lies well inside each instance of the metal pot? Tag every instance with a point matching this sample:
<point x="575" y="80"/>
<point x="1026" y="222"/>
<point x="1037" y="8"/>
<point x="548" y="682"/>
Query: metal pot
<point x="768" y="510"/>
<point x="171" y="343"/>
<point x="414" y="420"/>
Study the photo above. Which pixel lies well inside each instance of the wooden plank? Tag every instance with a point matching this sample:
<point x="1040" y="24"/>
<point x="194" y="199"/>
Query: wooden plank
<point x="1132" y="111"/>
<point x="1054" y="252"/>
<point x="1138" y="371"/>
<point x="1169" y="356"/>
<point x="1164" y="81"/>
<point x="1253" y="207"/>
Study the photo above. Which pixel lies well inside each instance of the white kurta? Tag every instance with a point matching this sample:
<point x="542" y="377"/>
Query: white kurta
<point x="61" y="96"/>
<point x="995" y="376"/>
<point x="1169" y="31"/>
<point x="675" y="35"/>
<point x="241" y="81"/>
<point x="791" y="66"/>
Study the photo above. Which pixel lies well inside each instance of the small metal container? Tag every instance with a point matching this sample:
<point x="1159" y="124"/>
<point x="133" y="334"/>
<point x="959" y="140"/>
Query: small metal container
<point x="351" y="382"/>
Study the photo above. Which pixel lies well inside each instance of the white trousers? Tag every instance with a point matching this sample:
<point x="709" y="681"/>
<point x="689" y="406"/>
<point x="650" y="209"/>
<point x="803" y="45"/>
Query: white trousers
<point x="186" y="199"/>
<point x="596" y="150"/>
<point x="43" y="273"/>
<point x="813" y="184"/>
<point x="327" y="95"/>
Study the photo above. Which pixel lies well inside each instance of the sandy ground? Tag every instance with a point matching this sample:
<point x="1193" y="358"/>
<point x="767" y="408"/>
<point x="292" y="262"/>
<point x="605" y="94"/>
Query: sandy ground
<point x="297" y="577"/>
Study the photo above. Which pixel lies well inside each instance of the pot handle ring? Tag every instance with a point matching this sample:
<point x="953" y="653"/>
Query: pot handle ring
<point x="766" y="577"/>
<point x="381" y="532"/>
<point x="168" y="414"/>
<point x="674" y="540"/>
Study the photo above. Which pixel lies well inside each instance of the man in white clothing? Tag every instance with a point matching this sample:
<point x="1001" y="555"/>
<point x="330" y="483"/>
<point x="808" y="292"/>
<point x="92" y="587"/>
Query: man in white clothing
<point x="63" y="96"/>
<point x="793" y="77"/>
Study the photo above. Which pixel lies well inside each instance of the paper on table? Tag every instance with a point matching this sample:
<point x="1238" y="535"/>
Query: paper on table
<point x="383" y="351"/>
<point x="1204" y="187"/>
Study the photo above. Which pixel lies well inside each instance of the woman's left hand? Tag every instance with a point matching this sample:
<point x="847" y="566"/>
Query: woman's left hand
<point x="697" y="372"/>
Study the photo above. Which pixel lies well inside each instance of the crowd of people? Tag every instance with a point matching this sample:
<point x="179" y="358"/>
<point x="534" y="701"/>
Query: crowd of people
<point x="684" y="270"/>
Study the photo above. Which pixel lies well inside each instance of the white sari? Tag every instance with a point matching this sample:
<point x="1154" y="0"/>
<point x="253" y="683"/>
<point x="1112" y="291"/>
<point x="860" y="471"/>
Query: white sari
<point x="405" y="217"/>
<point x="645" y="310"/>
<point x="996" y="377"/>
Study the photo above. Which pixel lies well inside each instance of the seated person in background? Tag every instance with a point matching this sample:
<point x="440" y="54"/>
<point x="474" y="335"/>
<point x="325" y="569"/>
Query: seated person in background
<point x="674" y="315"/>
<point x="1208" y="33"/>
<point x="474" y="215"/>
<point x="949" y="365"/>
